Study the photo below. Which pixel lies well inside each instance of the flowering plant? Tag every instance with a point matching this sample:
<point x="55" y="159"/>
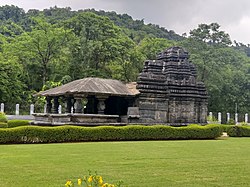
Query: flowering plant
<point x="92" y="181"/>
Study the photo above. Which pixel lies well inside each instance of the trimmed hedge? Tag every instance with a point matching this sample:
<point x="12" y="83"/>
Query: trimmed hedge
<point x="3" y="117"/>
<point x="3" y="125"/>
<point x="35" y="134"/>
<point x="17" y="123"/>
<point x="225" y="128"/>
<point x="239" y="131"/>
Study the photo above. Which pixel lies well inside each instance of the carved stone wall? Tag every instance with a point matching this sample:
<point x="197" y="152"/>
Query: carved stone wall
<point x="169" y="91"/>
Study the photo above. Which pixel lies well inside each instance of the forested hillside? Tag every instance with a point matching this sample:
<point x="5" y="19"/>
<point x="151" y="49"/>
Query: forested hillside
<point x="42" y="49"/>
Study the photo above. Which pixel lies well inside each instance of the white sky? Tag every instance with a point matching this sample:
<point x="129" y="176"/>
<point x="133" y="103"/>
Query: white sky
<point x="178" y="15"/>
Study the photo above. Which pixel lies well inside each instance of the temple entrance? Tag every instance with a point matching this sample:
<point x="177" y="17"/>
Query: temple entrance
<point x="116" y="106"/>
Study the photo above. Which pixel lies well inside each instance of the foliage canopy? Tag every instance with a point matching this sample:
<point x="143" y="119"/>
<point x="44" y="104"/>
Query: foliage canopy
<point x="58" y="45"/>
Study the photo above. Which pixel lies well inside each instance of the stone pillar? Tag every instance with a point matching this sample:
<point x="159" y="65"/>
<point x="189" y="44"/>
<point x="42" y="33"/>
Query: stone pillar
<point x="236" y="118"/>
<point x="101" y="104"/>
<point x="78" y="105"/>
<point x="17" y="109"/>
<point x="2" y="107"/>
<point x="60" y="109"/>
<point x="48" y="105"/>
<point x="203" y="111"/>
<point x="219" y="117"/>
<point x="55" y="105"/>
<point x="246" y="118"/>
<point x="45" y="109"/>
<point x="32" y="108"/>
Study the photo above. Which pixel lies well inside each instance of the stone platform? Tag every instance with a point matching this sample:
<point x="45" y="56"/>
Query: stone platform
<point x="75" y="119"/>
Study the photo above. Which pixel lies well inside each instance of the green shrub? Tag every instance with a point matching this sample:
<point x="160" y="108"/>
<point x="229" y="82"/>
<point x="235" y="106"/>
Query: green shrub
<point x="242" y="124"/>
<point x="36" y="134"/>
<point x="3" y="117"/>
<point x="225" y="127"/>
<point x="17" y="123"/>
<point x="3" y="125"/>
<point x="239" y="131"/>
<point x="231" y="122"/>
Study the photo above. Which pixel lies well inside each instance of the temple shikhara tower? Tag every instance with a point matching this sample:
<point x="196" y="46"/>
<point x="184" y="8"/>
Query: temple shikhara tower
<point x="169" y="91"/>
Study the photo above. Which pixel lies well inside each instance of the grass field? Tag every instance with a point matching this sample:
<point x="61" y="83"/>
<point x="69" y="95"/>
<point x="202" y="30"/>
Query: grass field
<point x="139" y="164"/>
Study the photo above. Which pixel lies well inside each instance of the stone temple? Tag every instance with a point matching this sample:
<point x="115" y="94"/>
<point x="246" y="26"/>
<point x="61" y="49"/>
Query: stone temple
<point x="166" y="92"/>
<point x="169" y="91"/>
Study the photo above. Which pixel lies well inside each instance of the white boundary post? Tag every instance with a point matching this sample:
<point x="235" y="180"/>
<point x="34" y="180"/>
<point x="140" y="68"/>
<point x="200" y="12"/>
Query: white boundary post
<point x="2" y="107"/>
<point x="17" y="109"/>
<point x="32" y="108"/>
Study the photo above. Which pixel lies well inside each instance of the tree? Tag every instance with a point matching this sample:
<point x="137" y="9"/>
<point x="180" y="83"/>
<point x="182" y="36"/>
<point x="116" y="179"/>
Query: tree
<point x="11" y="87"/>
<point x="10" y="29"/>
<point x="57" y="15"/>
<point x="42" y="45"/>
<point x="150" y="47"/>
<point x="12" y="12"/>
<point x="224" y="71"/>
<point x="96" y="46"/>
<point x="138" y="27"/>
<point x="210" y="34"/>
<point x="128" y="62"/>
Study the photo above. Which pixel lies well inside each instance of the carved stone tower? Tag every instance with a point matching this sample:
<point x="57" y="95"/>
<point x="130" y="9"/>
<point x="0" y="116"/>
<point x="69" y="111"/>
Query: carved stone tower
<point x="169" y="91"/>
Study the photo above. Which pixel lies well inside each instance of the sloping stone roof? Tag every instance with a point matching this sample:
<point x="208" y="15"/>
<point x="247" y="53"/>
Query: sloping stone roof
<point x="91" y="86"/>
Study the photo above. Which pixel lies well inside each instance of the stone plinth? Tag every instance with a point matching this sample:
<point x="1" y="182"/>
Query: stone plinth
<point x="74" y="119"/>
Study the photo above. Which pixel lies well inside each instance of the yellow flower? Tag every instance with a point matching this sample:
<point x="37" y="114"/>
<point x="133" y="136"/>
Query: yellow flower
<point x="100" y="180"/>
<point x="105" y="185"/>
<point x="79" y="182"/>
<point x="90" y="179"/>
<point x="68" y="183"/>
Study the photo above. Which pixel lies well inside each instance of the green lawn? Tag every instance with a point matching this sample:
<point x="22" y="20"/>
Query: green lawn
<point x="150" y="163"/>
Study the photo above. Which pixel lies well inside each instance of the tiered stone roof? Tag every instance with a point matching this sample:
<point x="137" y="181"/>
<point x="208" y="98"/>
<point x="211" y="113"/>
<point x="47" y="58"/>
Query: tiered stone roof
<point x="171" y="73"/>
<point x="169" y="90"/>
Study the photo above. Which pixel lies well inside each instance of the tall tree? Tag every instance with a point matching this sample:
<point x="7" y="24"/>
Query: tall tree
<point x="10" y="28"/>
<point x="98" y="44"/>
<point x="11" y="86"/>
<point x="12" y="12"/>
<point x="42" y="45"/>
<point x="224" y="71"/>
<point x="150" y="47"/>
<point x="210" y="34"/>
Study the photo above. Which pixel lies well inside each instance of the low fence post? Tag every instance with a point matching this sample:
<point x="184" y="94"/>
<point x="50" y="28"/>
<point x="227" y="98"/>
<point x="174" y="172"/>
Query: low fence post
<point x="246" y="118"/>
<point x="236" y="118"/>
<point x="228" y="117"/>
<point x="32" y="108"/>
<point x="2" y="107"/>
<point x="17" y="109"/>
<point x="219" y="117"/>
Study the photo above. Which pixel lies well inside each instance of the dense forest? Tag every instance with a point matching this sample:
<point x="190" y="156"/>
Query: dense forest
<point x="43" y="49"/>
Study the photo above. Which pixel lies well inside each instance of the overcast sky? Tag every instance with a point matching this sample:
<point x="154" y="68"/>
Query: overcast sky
<point x="178" y="15"/>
